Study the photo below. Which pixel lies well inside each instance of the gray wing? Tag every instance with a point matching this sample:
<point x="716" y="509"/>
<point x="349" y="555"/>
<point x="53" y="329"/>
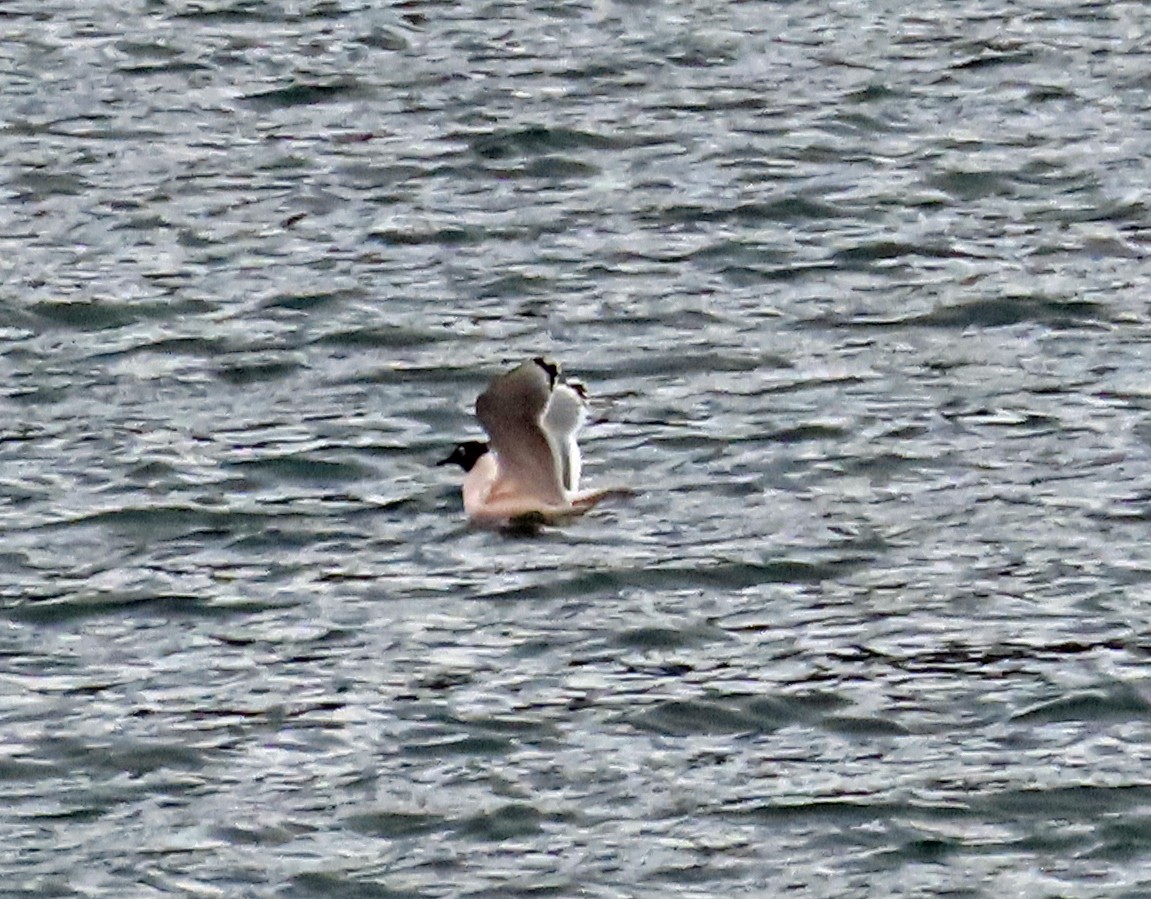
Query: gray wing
<point x="565" y="414"/>
<point x="511" y="411"/>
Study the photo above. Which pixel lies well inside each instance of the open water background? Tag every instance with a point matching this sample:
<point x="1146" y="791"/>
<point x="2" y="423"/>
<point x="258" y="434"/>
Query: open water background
<point x="862" y="292"/>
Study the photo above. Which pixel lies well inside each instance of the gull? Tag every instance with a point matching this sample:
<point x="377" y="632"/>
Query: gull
<point x="527" y="473"/>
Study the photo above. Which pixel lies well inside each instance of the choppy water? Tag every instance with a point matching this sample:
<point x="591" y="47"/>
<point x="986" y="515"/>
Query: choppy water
<point x="861" y="289"/>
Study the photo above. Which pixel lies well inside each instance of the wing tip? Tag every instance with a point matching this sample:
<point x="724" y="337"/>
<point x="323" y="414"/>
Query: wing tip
<point x="551" y="369"/>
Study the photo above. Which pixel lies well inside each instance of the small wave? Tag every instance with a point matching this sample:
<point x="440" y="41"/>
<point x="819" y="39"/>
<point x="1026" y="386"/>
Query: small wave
<point x="306" y="94"/>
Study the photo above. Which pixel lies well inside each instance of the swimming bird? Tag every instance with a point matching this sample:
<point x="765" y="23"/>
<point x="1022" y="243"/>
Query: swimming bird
<point x="528" y="472"/>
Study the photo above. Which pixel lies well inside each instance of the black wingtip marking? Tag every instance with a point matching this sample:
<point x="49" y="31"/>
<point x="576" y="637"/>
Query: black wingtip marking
<point x="552" y="370"/>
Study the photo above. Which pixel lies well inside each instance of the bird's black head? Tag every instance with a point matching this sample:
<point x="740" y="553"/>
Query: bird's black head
<point x="466" y="454"/>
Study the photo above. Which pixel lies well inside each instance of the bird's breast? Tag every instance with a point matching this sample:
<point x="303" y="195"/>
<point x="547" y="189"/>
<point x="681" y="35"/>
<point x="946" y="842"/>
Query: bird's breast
<point x="478" y="483"/>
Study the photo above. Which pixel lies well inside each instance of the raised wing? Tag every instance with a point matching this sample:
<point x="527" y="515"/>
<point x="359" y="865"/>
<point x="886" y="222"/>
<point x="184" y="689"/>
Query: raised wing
<point x="565" y="414"/>
<point x="511" y="411"/>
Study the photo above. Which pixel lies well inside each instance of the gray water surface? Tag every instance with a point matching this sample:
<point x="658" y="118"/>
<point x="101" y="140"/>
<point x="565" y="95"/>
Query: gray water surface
<point x="860" y="291"/>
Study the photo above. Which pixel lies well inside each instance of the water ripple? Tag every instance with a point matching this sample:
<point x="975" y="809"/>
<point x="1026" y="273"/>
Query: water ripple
<point x="857" y="295"/>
